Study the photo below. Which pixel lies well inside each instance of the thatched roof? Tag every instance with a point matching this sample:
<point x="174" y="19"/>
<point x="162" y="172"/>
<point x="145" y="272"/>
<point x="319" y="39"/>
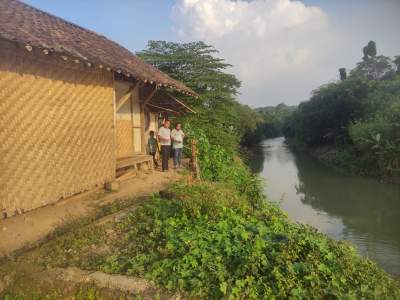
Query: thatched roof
<point x="29" y="26"/>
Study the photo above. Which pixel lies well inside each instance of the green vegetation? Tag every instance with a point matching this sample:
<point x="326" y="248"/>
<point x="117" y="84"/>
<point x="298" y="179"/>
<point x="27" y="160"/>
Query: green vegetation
<point x="274" y="118"/>
<point x="356" y="120"/>
<point x="223" y="240"/>
<point x="224" y="120"/>
<point x="211" y="242"/>
<point x="84" y="243"/>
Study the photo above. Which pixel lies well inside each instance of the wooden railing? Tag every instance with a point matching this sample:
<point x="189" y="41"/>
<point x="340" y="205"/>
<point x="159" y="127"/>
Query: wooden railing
<point x="193" y="160"/>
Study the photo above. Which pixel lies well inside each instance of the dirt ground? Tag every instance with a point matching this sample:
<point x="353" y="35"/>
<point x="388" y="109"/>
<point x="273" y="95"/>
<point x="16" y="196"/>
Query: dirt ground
<point x="27" y="230"/>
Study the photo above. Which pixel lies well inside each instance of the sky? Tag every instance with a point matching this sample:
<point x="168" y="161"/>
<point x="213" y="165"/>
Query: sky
<point x="281" y="50"/>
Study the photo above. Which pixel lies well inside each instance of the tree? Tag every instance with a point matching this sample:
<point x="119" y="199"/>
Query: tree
<point x="373" y="67"/>
<point x="397" y="63"/>
<point x="369" y="50"/>
<point x="196" y="64"/>
<point x="324" y="119"/>
<point x="360" y="116"/>
<point x="274" y="118"/>
<point x="343" y="73"/>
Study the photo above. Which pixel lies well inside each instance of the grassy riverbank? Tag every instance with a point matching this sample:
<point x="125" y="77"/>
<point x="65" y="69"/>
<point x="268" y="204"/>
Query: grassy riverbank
<point x="215" y="239"/>
<point x="210" y="241"/>
<point x="224" y="245"/>
<point x="345" y="159"/>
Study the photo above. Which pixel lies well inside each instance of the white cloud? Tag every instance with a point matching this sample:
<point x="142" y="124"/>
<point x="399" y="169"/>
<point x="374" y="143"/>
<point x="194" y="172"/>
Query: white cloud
<point x="280" y="49"/>
<point x="263" y="39"/>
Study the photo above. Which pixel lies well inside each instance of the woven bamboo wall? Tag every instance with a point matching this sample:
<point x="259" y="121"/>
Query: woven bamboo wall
<point x="124" y="138"/>
<point x="56" y="128"/>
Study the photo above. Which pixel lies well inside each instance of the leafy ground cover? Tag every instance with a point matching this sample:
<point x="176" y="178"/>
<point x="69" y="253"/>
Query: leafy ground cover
<point x="84" y="292"/>
<point x="218" y="239"/>
<point x="208" y="241"/>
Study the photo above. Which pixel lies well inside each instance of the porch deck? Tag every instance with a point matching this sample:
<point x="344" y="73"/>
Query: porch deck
<point x="135" y="162"/>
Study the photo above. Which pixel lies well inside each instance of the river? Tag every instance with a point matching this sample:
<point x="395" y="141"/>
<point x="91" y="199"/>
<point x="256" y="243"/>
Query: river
<point x="360" y="210"/>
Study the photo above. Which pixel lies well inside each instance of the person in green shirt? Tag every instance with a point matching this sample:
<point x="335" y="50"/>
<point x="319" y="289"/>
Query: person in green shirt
<point x="152" y="147"/>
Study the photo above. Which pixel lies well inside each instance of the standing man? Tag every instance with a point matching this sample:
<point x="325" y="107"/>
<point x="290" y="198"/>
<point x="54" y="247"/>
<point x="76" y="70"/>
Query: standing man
<point x="177" y="136"/>
<point x="164" y="136"/>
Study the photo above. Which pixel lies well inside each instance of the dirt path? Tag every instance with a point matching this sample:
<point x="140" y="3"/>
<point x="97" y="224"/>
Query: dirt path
<point x="120" y="283"/>
<point x="24" y="231"/>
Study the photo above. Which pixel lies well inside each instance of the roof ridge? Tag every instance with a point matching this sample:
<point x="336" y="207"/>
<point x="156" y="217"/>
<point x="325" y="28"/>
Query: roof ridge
<point x="59" y="18"/>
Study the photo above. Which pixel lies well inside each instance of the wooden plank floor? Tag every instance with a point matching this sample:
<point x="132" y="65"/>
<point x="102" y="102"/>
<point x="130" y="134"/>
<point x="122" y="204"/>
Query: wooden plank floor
<point x="134" y="161"/>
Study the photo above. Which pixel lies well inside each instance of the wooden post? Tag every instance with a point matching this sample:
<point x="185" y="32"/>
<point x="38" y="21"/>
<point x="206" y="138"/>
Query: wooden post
<point x="114" y="104"/>
<point x="131" y="99"/>
<point x="195" y="164"/>
<point x="142" y="129"/>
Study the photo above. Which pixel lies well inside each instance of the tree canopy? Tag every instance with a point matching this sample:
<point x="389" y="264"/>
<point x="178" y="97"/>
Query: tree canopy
<point x="197" y="65"/>
<point x="360" y="112"/>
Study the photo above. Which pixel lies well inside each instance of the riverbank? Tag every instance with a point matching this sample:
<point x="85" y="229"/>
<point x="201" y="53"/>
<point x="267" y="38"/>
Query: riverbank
<point x="215" y="239"/>
<point x="346" y="160"/>
<point x="360" y="210"/>
<point x="206" y="240"/>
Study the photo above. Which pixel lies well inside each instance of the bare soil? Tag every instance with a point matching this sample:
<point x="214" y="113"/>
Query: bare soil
<point x="25" y="231"/>
<point x="35" y="254"/>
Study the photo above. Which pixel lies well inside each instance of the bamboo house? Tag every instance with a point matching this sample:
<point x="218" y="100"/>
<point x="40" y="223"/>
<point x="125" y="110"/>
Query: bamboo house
<point x="75" y="108"/>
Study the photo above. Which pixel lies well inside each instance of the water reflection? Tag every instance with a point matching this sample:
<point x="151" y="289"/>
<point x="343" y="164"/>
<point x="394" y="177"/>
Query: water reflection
<point x="364" y="204"/>
<point x="254" y="156"/>
<point x="361" y="210"/>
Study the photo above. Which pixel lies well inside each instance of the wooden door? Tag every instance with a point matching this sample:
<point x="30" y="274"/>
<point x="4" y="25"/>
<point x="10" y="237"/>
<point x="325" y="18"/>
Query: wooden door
<point x="125" y="146"/>
<point x="124" y="122"/>
<point x="137" y="125"/>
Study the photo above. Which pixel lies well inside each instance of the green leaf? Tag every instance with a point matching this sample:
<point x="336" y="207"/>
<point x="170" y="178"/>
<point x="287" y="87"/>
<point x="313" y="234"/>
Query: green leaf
<point x="223" y="287"/>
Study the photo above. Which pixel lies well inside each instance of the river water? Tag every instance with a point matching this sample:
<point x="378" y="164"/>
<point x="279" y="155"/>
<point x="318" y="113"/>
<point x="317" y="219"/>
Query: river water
<point x="360" y="210"/>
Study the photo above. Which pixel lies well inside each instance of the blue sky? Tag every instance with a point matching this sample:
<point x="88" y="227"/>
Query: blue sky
<point x="134" y="22"/>
<point x="129" y="22"/>
<point x="279" y="55"/>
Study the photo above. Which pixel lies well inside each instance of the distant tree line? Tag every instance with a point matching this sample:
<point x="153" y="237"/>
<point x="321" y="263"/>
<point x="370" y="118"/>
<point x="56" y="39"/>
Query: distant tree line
<point x="359" y="113"/>
<point x="270" y="123"/>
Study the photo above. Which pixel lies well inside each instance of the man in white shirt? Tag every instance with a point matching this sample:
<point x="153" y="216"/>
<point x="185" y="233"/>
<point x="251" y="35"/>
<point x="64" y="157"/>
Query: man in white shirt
<point x="177" y="136"/>
<point x="164" y="136"/>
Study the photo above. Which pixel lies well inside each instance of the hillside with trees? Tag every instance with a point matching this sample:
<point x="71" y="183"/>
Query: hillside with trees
<point x="274" y="118"/>
<point x="354" y="123"/>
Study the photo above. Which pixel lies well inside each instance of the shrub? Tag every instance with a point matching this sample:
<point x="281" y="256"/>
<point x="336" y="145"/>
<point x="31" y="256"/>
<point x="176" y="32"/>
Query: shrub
<point x="378" y="139"/>
<point x="220" y="164"/>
